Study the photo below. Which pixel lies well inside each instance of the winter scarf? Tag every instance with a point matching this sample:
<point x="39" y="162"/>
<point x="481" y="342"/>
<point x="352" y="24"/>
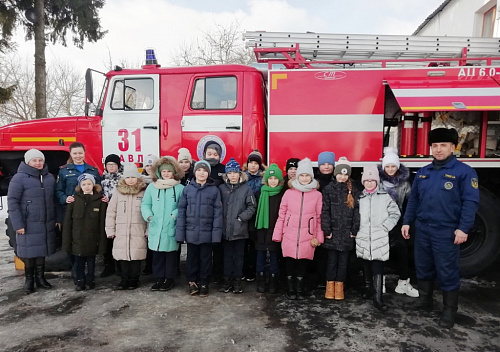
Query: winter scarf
<point x="110" y="181"/>
<point x="262" y="218"/>
<point x="391" y="183"/>
<point x="305" y="188"/>
<point x="164" y="184"/>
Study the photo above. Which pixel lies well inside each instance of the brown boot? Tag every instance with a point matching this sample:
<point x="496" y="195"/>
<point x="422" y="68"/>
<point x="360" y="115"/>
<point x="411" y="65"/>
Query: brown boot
<point x="330" y="290"/>
<point x="339" y="290"/>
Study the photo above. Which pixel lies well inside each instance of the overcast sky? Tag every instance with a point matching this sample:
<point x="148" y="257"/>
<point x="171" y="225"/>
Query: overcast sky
<point x="164" y="25"/>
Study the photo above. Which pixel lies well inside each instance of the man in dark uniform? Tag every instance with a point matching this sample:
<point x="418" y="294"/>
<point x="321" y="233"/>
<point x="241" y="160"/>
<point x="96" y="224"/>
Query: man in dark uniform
<point x="443" y="202"/>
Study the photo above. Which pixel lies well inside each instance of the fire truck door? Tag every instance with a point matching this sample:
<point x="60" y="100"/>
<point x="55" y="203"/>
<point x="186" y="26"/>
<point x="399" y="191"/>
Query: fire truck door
<point x="215" y="114"/>
<point x="131" y="118"/>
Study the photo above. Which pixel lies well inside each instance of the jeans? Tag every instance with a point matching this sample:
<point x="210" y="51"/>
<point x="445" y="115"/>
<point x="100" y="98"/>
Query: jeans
<point x="336" y="265"/>
<point x="233" y="258"/>
<point x="79" y="268"/>
<point x="274" y="262"/>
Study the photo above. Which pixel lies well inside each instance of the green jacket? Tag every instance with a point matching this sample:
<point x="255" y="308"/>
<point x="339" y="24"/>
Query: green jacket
<point x="83" y="230"/>
<point x="161" y="206"/>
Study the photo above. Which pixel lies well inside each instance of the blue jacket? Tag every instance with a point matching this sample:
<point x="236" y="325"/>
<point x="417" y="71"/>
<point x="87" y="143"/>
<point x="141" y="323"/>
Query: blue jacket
<point x="255" y="181"/>
<point x="31" y="206"/>
<point x="68" y="180"/>
<point x="448" y="197"/>
<point x="199" y="218"/>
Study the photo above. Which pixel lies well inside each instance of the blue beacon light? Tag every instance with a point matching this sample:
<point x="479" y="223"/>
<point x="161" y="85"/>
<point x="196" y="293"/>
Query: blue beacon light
<point x="151" y="57"/>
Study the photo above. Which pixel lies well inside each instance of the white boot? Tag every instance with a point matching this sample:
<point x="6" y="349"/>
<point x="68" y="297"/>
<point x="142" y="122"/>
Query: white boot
<point x="405" y="288"/>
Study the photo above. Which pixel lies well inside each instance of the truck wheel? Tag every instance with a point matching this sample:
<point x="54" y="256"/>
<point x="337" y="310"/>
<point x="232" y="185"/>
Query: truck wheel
<point x="483" y="245"/>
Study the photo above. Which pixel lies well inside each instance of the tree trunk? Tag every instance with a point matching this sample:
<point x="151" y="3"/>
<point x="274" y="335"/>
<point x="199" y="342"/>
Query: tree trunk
<point x="40" y="74"/>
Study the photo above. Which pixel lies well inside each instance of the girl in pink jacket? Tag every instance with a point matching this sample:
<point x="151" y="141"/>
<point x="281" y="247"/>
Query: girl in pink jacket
<point x="299" y="228"/>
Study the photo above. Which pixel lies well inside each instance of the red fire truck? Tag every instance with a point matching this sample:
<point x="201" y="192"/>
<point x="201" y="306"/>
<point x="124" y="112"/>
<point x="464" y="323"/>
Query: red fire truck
<point x="351" y="94"/>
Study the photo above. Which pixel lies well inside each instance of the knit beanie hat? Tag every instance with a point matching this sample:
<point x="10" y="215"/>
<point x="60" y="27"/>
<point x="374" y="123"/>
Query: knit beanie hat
<point x="32" y="154"/>
<point x="390" y="157"/>
<point x="165" y="166"/>
<point x="440" y="135"/>
<point x="202" y="164"/>
<point x="184" y="154"/>
<point x="84" y="177"/>
<point x="292" y="162"/>
<point x="112" y="158"/>
<point x="326" y="157"/>
<point x="273" y="170"/>
<point x="343" y="167"/>
<point x="370" y="172"/>
<point x="215" y="146"/>
<point x="130" y="170"/>
<point x="150" y="160"/>
<point x="232" y="166"/>
<point x="305" y="167"/>
<point x="256" y="156"/>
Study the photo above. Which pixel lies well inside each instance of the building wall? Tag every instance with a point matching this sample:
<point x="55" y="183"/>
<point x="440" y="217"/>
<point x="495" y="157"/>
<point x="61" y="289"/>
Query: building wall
<point x="462" y="18"/>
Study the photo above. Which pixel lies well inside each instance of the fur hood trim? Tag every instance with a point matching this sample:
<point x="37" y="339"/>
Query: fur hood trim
<point x="243" y="177"/>
<point x="123" y="188"/>
<point x="401" y="176"/>
<point x="179" y="174"/>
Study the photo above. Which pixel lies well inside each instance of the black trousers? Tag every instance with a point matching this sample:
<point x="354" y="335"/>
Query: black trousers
<point x="376" y="266"/>
<point x="336" y="265"/>
<point x="79" y="268"/>
<point x="296" y="267"/>
<point x="218" y="260"/>
<point x="199" y="263"/>
<point x="165" y="265"/>
<point x="131" y="269"/>
<point x="234" y="252"/>
<point x="402" y="255"/>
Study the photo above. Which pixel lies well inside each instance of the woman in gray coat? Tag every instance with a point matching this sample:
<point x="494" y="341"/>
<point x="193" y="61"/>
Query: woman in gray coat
<point x="31" y="209"/>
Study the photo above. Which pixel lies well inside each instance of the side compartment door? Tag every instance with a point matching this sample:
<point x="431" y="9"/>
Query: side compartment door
<point x="215" y="113"/>
<point x="131" y="117"/>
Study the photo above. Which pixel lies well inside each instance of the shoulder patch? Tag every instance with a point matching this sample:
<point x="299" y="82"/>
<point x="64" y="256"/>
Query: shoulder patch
<point x="474" y="183"/>
<point x="63" y="166"/>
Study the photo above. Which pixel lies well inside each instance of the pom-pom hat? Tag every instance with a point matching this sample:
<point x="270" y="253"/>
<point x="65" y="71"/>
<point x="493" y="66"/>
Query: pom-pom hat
<point x="370" y="172"/>
<point x="343" y="167"/>
<point x="305" y="167"/>
<point x="184" y="154"/>
<point x="390" y="157"/>
<point x="150" y="160"/>
<point x="232" y="166"/>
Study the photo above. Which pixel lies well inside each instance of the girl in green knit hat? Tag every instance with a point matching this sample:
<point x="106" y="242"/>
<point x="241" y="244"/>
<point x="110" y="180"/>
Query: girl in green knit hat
<point x="269" y="196"/>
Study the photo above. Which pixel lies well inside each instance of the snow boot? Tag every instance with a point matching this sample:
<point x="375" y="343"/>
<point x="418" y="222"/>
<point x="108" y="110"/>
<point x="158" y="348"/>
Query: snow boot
<point x="339" y="290"/>
<point x="301" y="293"/>
<point x="29" y="283"/>
<point x="330" y="290"/>
<point x="80" y="285"/>
<point x="40" y="277"/>
<point x="273" y="283"/>
<point x="378" y="301"/>
<point x="367" y="291"/>
<point x="237" y="288"/>
<point x="227" y="285"/>
<point x="290" y="292"/>
<point x="261" y="282"/>
<point x="450" y="307"/>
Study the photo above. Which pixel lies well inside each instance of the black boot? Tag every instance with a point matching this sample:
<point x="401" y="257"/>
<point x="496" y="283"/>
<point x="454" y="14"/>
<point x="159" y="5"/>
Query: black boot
<point x="301" y="293"/>
<point x="425" y="301"/>
<point x="80" y="285"/>
<point x="450" y="307"/>
<point x="227" y="285"/>
<point x="367" y="275"/>
<point x="237" y="288"/>
<point x="273" y="283"/>
<point x="261" y="282"/>
<point x="29" y="283"/>
<point x="378" y="301"/>
<point x="40" y="276"/>
<point x="290" y="292"/>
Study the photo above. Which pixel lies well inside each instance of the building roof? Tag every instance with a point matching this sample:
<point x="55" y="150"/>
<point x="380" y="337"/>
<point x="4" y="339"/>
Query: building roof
<point x="431" y="16"/>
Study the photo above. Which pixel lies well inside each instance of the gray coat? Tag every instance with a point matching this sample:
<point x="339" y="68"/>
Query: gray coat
<point x="31" y="206"/>
<point x="379" y="213"/>
<point x="239" y="205"/>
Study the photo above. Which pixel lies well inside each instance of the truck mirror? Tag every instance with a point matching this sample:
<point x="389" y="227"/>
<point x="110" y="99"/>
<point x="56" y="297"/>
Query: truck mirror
<point x="89" y="89"/>
<point x="89" y="109"/>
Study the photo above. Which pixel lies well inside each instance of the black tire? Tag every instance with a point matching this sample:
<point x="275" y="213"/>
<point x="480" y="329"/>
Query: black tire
<point x="483" y="244"/>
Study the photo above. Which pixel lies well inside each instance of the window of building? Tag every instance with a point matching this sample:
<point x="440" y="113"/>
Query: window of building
<point x="489" y="22"/>
<point x="214" y="93"/>
<point x="133" y="94"/>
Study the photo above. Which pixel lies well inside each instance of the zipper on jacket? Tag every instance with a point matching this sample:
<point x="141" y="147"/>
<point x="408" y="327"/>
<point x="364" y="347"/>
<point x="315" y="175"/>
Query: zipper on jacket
<point x="300" y="224"/>
<point x="370" y="227"/>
